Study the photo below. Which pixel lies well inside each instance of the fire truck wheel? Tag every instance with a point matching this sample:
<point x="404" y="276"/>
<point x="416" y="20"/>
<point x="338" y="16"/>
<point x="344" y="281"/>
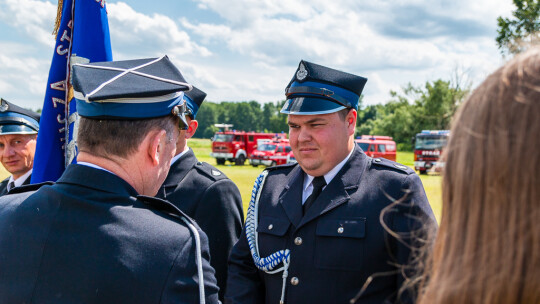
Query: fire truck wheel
<point x="240" y="160"/>
<point x="220" y="161"/>
<point x="273" y="164"/>
<point x="422" y="171"/>
<point x="255" y="166"/>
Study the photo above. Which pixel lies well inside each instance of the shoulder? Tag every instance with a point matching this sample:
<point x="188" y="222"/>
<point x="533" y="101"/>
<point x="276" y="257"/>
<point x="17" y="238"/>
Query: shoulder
<point x="167" y="208"/>
<point x="29" y="188"/>
<point x="281" y="169"/>
<point x="389" y="166"/>
<point x="18" y="194"/>
<point x="209" y="172"/>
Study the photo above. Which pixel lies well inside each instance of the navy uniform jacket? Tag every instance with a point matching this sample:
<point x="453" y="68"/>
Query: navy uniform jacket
<point x="213" y="201"/>
<point x="339" y="242"/>
<point x="4" y="183"/>
<point x="90" y="239"/>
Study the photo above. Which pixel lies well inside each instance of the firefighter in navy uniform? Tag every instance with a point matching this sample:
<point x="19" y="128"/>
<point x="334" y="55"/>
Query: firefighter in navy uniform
<point x="313" y="231"/>
<point x="205" y="194"/>
<point x="18" y="133"/>
<point x="98" y="235"/>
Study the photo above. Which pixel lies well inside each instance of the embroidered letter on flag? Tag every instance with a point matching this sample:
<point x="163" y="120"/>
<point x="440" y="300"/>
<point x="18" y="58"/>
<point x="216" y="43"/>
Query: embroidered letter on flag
<point x="83" y="36"/>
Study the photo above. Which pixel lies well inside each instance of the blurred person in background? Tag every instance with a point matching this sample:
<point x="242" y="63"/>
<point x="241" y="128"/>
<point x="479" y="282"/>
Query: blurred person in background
<point x="487" y="249"/>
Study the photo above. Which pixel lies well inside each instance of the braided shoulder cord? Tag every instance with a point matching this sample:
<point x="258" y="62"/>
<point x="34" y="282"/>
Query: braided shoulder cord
<point x="269" y="263"/>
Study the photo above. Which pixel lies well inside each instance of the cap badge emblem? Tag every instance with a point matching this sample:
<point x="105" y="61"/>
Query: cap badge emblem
<point x="4" y="106"/>
<point x="216" y="173"/>
<point x="302" y="72"/>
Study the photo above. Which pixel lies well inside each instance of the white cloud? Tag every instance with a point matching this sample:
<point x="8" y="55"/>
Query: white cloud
<point x="34" y="18"/>
<point x="252" y="49"/>
<point x="427" y="43"/>
<point x="133" y="32"/>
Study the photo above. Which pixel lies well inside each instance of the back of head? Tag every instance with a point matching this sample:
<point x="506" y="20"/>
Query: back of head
<point x="120" y="102"/>
<point x="488" y="246"/>
<point x="119" y="138"/>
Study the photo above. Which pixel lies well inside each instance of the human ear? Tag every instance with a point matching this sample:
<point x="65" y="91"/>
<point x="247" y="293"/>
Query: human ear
<point x="156" y="143"/>
<point x="193" y="124"/>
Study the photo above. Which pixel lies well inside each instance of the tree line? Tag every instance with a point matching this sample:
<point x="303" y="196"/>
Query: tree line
<point x="417" y="108"/>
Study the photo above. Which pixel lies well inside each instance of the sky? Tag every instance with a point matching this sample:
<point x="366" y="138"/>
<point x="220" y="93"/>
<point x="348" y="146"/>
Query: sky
<point x="241" y="50"/>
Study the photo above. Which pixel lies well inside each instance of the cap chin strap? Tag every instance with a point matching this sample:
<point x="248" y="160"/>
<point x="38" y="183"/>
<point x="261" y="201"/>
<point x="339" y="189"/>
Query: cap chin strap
<point x="328" y="94"/>
<point x="269" y="263"/>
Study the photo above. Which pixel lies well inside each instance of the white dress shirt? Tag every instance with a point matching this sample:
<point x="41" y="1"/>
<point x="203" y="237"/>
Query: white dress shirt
<point x="19" y="181"/>
<point x="308" y="179"/>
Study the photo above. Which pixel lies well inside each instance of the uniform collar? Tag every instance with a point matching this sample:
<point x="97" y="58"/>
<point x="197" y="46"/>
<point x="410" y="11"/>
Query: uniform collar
<point x="328" y="176"/>
<point x="177" y="157"/>
<point x="180" y="168"/>
<point x="98" y="179"/>
<point x="19" y="181"/>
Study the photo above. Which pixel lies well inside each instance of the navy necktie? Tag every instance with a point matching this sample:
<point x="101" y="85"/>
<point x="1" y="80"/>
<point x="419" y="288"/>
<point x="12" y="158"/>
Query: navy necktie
<point x="10" y="186"/>
<point x="318" y="184"/>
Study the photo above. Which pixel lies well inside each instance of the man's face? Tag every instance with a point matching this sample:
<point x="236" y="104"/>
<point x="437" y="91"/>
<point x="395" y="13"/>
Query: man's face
<point x="320" y="142"/>
<point x="17" y="153"/>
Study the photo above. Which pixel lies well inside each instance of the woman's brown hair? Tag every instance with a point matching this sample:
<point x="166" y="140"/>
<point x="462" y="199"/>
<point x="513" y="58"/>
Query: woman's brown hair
<point x="487" y="249"/>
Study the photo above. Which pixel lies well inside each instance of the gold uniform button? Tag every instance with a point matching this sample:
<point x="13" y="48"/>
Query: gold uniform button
<point x="340" y="230"/>
<point x="270" y="227"/>
<point x="295" y="281"/>
<point x="298" y="241"/>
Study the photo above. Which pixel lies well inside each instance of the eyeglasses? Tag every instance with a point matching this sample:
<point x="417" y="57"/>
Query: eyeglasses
<point x="180" y="111"/>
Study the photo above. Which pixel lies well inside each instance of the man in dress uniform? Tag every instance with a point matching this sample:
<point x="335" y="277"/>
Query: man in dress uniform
<point x="313" y="231"/>
<point x="98" y="235"/>
<point x="18" y="133"/>
<point x="205" y="194"/>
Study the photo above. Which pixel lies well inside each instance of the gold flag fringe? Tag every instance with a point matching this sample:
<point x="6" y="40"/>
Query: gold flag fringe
<point x="58" y="18"/>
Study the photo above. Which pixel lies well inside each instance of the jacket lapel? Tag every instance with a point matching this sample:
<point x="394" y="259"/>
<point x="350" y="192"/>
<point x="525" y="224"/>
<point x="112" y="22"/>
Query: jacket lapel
<point x="27" y="181"/>
<point x="291" y="198"/>
<point x="337" y="192"/>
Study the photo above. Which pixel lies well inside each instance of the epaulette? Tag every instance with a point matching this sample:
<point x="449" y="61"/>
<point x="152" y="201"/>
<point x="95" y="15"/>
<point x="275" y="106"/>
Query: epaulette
<point x="209" y="171"/>
<point x="29" y="187"/>
<point x="284" y="166"/>
<point x="392" y="165"/>
<point x="163" y="206"/>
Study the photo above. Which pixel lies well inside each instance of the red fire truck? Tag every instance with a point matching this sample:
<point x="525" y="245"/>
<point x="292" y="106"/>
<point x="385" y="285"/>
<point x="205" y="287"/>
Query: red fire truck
<point x="235" y="146"/>
<point x="377" y="146"/>
<point x="428" y="148"/>
<point x="271" y="153"/>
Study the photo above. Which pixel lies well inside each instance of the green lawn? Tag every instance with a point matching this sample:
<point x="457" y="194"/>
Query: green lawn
<point x="244" y="176"/>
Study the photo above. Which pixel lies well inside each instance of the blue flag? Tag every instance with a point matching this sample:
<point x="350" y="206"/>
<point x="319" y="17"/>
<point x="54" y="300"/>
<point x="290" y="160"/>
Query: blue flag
<point x="83" y="36"/>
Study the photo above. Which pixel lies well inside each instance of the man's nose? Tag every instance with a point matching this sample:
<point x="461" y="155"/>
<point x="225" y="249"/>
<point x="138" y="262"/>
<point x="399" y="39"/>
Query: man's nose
<point x="304" y="135"/>
<point x="8" y="151"/>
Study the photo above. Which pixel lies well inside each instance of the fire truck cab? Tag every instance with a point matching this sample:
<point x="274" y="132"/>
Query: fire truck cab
<point x="235" y="146"/>
<point x="377" y="146"/>
<point x="271" y="153"/>
<point x="428" y="148"/>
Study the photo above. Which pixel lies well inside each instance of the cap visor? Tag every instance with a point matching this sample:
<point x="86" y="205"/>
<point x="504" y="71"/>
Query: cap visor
<point x="16" y="129"/>
<point x="310" y="106"/>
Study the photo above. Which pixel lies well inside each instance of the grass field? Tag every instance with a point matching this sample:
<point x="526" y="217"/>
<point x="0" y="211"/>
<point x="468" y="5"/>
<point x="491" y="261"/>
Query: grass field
<point x="244" y="176"/>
